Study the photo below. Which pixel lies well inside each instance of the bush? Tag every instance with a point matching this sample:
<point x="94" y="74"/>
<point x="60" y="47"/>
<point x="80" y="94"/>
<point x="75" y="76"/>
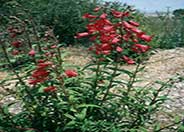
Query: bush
<point x="58" y="98"/>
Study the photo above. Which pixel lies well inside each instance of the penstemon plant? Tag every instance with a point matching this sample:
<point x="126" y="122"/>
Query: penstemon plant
<point x="94" y="98"/>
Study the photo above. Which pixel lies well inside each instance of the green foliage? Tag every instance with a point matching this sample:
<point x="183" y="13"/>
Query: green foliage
<point x="64" y="16"/>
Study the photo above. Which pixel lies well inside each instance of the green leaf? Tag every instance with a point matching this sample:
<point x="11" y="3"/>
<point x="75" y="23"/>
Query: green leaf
<point x="181" y="128"/>
<point x="129" y="73"/>
<point x="69" y="116"/>
<point x="177" y="119"/>
<point x="142" y="129"/>
<point x="82" y="114"/>
<point x="40" y="90"/>
<point x="157" y="127"/>
<point x="88" y="105"/>
<point x="87" y="66"/>
<point x="69" y="124"/>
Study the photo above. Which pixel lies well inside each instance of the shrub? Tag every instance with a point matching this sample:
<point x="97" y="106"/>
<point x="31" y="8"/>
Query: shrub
<point x="55" y="97"/>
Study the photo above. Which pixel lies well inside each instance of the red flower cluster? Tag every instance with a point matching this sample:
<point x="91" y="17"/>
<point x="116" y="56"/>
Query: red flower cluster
<point x="115" y="36"/>
<point x="41" y="73"/>
<point x="13" y="32"/>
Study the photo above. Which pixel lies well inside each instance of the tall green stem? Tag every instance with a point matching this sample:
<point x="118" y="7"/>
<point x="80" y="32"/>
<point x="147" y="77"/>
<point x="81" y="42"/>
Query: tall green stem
<point x="110" y="83"/>
<point x="132" y="79"/>
<point x="96" y="79"/>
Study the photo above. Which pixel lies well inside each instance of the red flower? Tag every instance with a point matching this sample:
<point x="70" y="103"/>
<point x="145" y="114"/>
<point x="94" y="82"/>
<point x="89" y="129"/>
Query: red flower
<point x="32" y="52"/>
<point x="41" y="73"/>
<point x="15" y="52"/>
<point x="119" y="49"/>
<point x="106" y="52"/>
<point x="44" y="64"/>
<point x="50" y="89"/>
<point x="139" y="48"/>
<point x="137" y="31"/>
<point x="108" y="28"/>
<point x="146" y="38"/>
<point x="93" y="38"/>
<point x="103" y="16"/>
<point x="71" y="73"/>
<point x="115" y="40"/>
<point x="134" y="23"/>
<point x="96" y="9"/>
<point x="106" y="46"/>
<point x="16" y="44"/>
<point x="127" y="25"/>
<point x="128" y="60"/>
<point x="37" y="80"/>
<point x="135" y="40"/>
<point x="53" y="46"/>
<point x="41" y="61"/>
<point x="126" y="37"/>
<point x="89" y="16"/>
<point x="80" y="35"/>
<point x="116" y="14"/>
<point x="126" y="14"/>
<point x="45" y="48"/>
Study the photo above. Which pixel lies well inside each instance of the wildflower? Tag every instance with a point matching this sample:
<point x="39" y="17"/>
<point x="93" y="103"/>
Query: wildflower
<point x="50" y="89"/>
<point x="127" y="25"/>
<point x="103" y="16"/>
<point x="16" y="44"/>
<point x="106" y="46"/>
<point x="146" y="38"/>
<point x="15" y="52"/>
<point x="119" y="49"/>
<point x="96" y="9"/>
<point x="41" y="73"/>
<point x="126" y="37"/>
<point x="139" y="48"/>
<point x="89" y="16"/>
<point x="80" y="35"/>
<point x="106" y="52"/>
<point x="53" y="46"/>
<point x="32" y="52"/>
<point x="115" y="40"/>
<point x="42" y="64"/>
<point x="137" y="31"/>
<point x="128" y="60"/>
<point x="133" y="23"/>
<point x="116" y="14"/>
<point x="71" y="73"/>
